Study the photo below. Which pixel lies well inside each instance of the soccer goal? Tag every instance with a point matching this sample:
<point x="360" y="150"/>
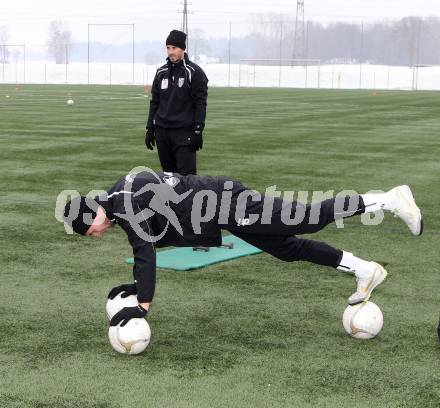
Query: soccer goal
<point x="289" y="73"/>
<point x="424" y="76"/>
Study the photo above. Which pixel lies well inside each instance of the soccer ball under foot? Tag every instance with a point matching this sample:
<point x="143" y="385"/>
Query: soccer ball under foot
<point x="363" y="321"/>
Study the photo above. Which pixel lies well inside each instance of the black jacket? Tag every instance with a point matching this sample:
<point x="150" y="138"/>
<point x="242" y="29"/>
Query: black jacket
<point x="146" y="207"/>
<point x="178" y="95"/>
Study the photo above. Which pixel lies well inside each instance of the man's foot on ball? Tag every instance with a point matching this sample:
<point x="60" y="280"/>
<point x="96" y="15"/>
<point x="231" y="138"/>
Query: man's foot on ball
<point x="367" y="284"/>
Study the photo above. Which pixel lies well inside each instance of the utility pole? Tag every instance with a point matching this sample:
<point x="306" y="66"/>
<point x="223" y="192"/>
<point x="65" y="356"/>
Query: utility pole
<point x="185" y="17"/>
<point x="185" y="13"/>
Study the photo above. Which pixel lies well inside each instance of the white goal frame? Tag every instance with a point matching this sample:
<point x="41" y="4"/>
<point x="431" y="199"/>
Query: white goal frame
<point x="415" y="74"/>
<point x="277" y="62"/>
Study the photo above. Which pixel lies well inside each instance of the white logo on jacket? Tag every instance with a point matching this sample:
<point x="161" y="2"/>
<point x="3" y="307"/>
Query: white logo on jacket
<point x="181" y="82"/>
<point x="243" y="222"/>
<point x="171" y="180"/>
<point x="164" y="84"/>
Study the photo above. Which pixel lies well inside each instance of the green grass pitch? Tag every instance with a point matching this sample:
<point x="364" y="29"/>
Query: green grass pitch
<point x="254" y="332"/>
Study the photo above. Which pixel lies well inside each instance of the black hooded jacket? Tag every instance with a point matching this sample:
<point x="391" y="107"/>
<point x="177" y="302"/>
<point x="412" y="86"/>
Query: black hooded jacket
<point x="178" y="95"/>
<point x="154" y="209"/>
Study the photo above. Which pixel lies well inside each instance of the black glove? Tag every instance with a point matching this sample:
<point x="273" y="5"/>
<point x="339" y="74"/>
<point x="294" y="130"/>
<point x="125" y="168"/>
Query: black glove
<point x="196" y="140"/>
<point x="128" y="289"/>
<point x="126" y="314"/>
<point x="150" y="140"/>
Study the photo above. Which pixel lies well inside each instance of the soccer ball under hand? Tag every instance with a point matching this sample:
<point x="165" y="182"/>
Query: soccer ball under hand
<point x="133" y="338"/>
<point x="363" y="321"/>
<point x="116" y="304"/>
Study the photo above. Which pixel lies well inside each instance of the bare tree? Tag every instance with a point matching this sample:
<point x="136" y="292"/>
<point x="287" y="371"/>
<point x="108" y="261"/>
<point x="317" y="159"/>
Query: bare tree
<point x="409" y="41"/>
<point x="4" y="39"/>
<point x="272" y="36"/>
<point x="199" y="44"/>
<point x="60" y="41"/>
<point x="407" y="32"/>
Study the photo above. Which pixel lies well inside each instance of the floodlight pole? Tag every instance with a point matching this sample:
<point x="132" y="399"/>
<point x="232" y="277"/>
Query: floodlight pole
<point x="3" y="65"/>
<point x="24" y="63"/>
<point x="133" y="51"/>
<point x="419" y="31"/>
<point x="67" y="60"/>
<point x="361" y="55"/>
<point x="281" y="53"/>
<point x="229" y="55"/>
<point x="88" y="54"/>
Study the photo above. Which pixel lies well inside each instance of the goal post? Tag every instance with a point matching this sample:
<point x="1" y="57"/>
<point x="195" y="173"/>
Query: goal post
<point x="423" y="69"/>
<point x="295" y="73"/>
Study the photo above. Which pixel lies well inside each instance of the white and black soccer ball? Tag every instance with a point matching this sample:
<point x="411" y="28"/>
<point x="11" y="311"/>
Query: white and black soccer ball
<point x="70" y="102"/>
<point x="133" y="338"/>
<point x="363" y="321"/>
<point x="116" y="304"/>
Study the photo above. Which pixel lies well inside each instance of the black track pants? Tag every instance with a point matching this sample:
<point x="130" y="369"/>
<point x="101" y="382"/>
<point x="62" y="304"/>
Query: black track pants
<point x="278" y="222"/>
<point x="175" y="155"/>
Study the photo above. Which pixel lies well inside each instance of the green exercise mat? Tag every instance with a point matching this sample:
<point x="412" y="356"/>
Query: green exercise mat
<point x="184" y="259"/>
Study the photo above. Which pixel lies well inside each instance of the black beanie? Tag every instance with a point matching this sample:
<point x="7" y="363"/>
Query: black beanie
<point x="177" y="38"/>
<point x="79" y="213"/>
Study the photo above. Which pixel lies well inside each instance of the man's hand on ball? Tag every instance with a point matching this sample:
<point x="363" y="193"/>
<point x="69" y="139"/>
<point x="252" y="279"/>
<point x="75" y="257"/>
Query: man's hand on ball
<point x="126" y="314"/>
<point x="128" y="289"/>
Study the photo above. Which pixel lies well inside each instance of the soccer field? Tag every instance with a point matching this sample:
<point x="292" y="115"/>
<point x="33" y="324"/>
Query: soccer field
<point x="253" y="332"/>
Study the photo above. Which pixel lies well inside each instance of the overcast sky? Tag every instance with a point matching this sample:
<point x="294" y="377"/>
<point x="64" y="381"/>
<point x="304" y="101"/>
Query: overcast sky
<point x="27" y="21"/>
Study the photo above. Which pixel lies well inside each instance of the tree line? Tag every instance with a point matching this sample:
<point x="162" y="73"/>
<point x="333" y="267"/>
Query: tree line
<point x="409" y="41"/>
<point x="406" y="42"/>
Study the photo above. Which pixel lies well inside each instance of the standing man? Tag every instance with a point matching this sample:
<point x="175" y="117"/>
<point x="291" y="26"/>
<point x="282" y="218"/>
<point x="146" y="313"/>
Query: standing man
<point x="177" y="109"/>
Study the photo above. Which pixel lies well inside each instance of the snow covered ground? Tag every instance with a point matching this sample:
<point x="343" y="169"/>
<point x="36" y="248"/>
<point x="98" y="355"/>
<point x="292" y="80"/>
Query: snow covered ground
<point x="325" y="76"/>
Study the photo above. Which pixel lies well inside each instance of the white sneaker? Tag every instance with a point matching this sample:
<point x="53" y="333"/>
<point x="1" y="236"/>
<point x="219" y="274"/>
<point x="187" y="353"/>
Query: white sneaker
<point x="406" y="209"/>
<point x="366" y="285"/>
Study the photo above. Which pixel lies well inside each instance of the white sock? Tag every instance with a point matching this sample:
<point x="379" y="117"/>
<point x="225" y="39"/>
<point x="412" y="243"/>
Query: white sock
<point x="353" y="264"/>
<point x="376" y="202"/>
